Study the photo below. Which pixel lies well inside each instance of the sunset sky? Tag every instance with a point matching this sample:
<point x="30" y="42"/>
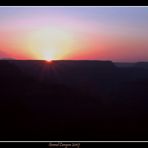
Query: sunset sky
<point x="77" y="33"/>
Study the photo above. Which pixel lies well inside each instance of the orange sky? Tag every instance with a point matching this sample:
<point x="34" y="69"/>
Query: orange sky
<point x="92" y="33"/>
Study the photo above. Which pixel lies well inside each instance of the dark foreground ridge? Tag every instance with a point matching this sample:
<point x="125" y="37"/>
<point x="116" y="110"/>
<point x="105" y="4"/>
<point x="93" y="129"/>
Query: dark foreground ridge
<point x="72" y="100"/>
<point x="142" y="65"/>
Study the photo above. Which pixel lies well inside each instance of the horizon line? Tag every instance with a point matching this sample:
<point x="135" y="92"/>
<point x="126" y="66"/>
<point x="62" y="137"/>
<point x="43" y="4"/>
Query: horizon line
<point x="7" y="59"/>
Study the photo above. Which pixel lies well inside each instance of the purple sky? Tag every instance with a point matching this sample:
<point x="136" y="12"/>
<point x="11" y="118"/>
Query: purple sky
<point x="94" y="33"/>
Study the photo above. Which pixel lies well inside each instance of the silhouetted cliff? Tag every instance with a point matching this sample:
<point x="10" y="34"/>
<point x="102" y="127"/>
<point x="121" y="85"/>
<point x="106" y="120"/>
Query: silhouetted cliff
<point x="72" y="100"/>
<point x="142" y="65"/>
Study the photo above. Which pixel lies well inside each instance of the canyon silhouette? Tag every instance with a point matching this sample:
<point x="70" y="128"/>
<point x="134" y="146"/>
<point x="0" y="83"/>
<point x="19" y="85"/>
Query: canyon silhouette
<point x="73" y="100"/>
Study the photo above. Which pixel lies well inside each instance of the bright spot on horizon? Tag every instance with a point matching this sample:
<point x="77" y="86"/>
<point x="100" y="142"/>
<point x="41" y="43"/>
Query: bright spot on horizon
<point x="75" y="33"/>
<point x="50" y="43"/>
<point x="46" y="55"/>
<point x="48" y="60"/>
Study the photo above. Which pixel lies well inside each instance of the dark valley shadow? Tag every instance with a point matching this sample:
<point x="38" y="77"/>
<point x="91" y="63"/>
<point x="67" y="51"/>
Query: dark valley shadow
<point x="73" y="100"/>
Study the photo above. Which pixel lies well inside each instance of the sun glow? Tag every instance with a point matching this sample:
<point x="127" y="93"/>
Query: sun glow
<point x="48" y="60"/>
<point x="48" y="54"/>
<point x="50" y="43"/>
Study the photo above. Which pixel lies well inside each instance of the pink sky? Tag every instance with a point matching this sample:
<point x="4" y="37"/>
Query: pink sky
<point x="85" y="33"/>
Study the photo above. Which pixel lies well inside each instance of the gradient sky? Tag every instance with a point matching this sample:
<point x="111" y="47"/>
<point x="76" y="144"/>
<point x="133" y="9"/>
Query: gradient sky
<point x="90" y="33"/>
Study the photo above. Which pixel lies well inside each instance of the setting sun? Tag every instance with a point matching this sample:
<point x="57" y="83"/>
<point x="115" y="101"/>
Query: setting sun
<point x="48" y="54"/>
<point x="73" y="33"/>
<point x="50" y="43"/>
<point x="48" y="60"/>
